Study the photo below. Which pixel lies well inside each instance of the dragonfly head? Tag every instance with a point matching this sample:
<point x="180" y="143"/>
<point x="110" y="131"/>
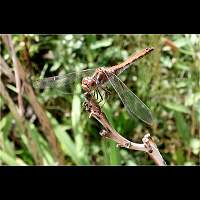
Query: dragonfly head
<point x="88" y="84"/>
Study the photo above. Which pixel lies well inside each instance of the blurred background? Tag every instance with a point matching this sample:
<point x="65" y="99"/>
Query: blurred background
<point x="50" y="128"/>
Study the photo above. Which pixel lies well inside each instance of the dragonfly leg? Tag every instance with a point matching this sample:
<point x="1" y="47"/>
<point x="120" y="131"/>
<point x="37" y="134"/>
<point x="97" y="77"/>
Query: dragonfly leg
<point x="105" y="97"/>
<point x="86" y="105"/>
<point x="106" y="90"/>
<point x="93" y="94"/>
<point x="97" y="95"/>
<point x="101" y="98"/>
<point x="107" y="93"/>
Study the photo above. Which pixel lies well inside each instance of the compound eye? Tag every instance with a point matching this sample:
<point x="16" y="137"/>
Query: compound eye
<point x="88" y="81"/>
<point x="85" y="80"/>
<point x="92" y="83"/>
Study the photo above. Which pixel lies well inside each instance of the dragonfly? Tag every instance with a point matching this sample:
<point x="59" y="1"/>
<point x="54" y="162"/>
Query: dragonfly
<point x="99" y="78"/>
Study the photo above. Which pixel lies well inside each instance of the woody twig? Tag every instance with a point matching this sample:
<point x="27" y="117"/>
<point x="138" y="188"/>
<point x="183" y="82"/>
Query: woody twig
<point x="147" y="146"/>
<point x="17" y="75"/>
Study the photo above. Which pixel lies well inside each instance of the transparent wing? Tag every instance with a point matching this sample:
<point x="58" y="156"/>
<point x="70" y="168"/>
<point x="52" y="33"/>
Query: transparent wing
<point x="132" y="103"/>
<point x="65" y="83"/>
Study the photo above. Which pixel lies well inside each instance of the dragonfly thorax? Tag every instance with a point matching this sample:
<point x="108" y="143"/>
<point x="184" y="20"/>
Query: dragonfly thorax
<point x="91" y="83"/>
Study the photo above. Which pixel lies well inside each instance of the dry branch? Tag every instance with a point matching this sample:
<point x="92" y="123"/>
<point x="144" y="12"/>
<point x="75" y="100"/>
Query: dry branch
<point x="17" y="77"/>
<point x="32" y="147"/>
<point x="148" y="145"/>
<point x="39" y="111"/>
<point x="4" y="69"/>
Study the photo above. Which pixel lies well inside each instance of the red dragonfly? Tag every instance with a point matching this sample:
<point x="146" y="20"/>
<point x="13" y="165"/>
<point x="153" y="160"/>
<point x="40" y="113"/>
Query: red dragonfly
<point x="100" y="77"/>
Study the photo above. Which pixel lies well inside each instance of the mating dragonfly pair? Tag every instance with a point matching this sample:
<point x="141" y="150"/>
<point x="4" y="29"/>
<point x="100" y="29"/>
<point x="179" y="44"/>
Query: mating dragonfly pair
<point x="98" y="80"/>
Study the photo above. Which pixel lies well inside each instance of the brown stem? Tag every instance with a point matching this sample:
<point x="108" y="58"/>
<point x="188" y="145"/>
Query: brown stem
<point x="21" y="124"/>
<point x="4" y="69"/>
<point x="26" y="53"/>
<point x="17" y="77"/>
<point x="148" y="145"/>
<point x="40" y="112"/>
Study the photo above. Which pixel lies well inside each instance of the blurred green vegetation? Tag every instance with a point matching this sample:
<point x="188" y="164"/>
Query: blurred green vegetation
<point x="167" y="80"/>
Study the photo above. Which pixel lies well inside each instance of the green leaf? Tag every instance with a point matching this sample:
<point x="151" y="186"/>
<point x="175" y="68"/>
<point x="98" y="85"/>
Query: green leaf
<point x="76" y="111"/>
<point x="166" y="62"/>
<point x="187" y="52"/>
<point x="109" y="114"/>
<point x="66" y="142"/>
<point x="9" y="160"/>
<point x="177" y="107"/>
<point x="192" y="99"/>
<point x="55" y="67"/>
<point x="182" y="127"/>
<point x="179" y="157"/>
<point x="111" y="152"/>
<point x="181" y="42"/>
<point x="189" y="163"/>
<point x="131" y="163"/>
<point x="81" y="149"/>
<point x="102" y="43"/>
<point x="104" y="145"/>
<point x="182" y="66"/>
<point x="195" y="145"/>
<point x="114" y="154"/>
<point x="5" y="123"/>
<point x="5" y="126"/>
<point x="78" y="128"/>
<point x="11" y="87"/>
<point x="42" y="145"/>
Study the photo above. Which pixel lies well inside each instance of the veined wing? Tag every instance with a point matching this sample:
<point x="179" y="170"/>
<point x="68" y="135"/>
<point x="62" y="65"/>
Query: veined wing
<point x="132" y="103"/>
<point x="66" y="82"/>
